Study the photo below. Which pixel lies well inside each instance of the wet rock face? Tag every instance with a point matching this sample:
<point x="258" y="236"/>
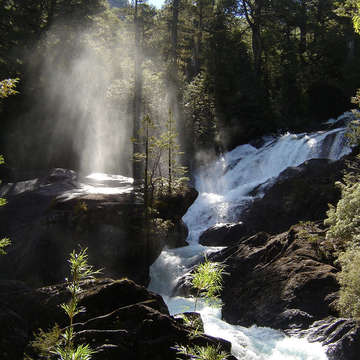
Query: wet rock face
<point x="48" y="217"/>
<point x="171" y="208"/>
<point x="299" y="194"/>
<point x="122" y="320"/>
<point x="223" y="235"/>
<point x="277" y="281"/>
<point x="340" y="337"/>
<point x="285" y="282"/>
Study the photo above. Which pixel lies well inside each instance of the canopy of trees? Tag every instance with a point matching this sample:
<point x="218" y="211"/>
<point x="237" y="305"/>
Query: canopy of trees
<point x="229" y="70"/>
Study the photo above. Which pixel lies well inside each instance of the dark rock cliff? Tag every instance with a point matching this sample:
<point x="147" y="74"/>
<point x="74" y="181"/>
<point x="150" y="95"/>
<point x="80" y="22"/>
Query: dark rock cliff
<point x="47" y="217"/>
<point x="122" y="320"/>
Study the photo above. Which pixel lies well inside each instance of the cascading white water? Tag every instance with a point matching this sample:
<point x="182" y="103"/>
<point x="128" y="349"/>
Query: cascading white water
<point x="224" y="191"/>
<point x="224" y="186"/>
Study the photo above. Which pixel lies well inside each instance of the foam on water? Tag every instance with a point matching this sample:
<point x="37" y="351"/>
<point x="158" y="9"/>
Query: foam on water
<point x="224" y="192"/>
<point x="224" y="186"/>
<point x="253" y="343"/>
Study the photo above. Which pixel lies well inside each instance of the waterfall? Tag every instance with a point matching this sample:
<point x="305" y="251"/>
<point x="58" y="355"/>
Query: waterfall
<point x="225" y="189"/>
<point x="224" y="186"/>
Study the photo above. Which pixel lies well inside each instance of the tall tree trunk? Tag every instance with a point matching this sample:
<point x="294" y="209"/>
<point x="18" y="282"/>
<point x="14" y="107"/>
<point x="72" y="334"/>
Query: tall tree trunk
<point x="174" y="31"/>
<point x="198" y="38"/>
<point x="257" y="48"/>
<point x="137" y="90"/>
<point x="253" y="14"/>
<point x="170" y="151"/>
<point x="303" y="31"/>
<point x="50" y="13"/>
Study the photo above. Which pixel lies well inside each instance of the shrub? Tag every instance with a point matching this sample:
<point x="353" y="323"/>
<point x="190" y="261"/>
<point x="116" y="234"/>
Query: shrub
<point x="207" y="279"/>
<point x="60" y="342"/>
<point x="202" y="352"/>
<point x="349" y="280"/>
<point x="344" y="219"/>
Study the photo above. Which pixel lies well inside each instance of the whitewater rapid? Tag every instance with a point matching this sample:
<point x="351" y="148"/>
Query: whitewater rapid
<point x="225" y="188"/>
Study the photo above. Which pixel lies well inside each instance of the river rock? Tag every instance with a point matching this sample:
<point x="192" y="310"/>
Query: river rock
<point x="223" y="234"/>
<point x="122" y="320"/>
<point x="340" y="337"/>
<point x="172" y="207"/>
<point x="299" y="194"/>
<point x="280" y="281"/>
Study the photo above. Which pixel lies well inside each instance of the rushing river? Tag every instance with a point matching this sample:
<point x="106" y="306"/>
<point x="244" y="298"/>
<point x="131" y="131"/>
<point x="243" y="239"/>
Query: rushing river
<point x="224" y="192"/>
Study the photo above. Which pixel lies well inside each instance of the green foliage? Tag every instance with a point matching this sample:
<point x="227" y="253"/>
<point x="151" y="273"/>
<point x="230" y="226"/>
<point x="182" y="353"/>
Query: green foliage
<point x="310" y="231"/>
<point x="195" y="325"/>
<point x="7" y="88"/>
<point x="60" y="342"/>
<point x="344" y="219"/>
<point x="199" y="105"/>
<point x="353" y="128"/>
<point x="202" y="352"/>
<point x="353" y="132"/>
<point x="3" y="244"/>
<point x="344" y="234"/>
<point x="207" y="279"/>
<point x="46" y="341"/>
<point x="349" y="279"/>
<point x="350" y="8"/>
<point x="81" y="352"/>
<point x="160" y="155"/>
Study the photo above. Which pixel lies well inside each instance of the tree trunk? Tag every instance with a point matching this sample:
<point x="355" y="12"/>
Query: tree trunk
<point x="174" y="31"/>
<point x="137" y="91"/>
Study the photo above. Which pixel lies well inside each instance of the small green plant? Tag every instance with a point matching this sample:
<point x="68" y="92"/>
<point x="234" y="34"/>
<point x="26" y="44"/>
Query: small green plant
<point x="194" y="324"/>
<point x="202" y="352"/>
<point x="7" y="87"/>
<point x="80" y="207"/>
<point x="3" y="244"/>
<point x="60" y="342"/>
<point x="310" y="231"/>
<point x="207" y="279"/>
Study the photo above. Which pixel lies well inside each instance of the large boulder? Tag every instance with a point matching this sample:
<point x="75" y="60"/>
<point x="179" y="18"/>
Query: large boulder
<point x="279" y="281"/>
<point x="285" y="282"/>
<point x="122" y="320"/>
<point x="47" y="217"/>
<point x="299" y="194"/>
<point x="282" y="281"/>
<point x="171" y="208"/>
<point x="223" y="234"/>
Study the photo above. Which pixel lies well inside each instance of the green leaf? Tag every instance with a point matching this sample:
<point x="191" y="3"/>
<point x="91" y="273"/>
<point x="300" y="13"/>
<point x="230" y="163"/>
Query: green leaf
<point x="3" y="244"/>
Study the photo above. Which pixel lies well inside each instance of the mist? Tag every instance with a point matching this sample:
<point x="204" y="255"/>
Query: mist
<point x="81" y="109"/>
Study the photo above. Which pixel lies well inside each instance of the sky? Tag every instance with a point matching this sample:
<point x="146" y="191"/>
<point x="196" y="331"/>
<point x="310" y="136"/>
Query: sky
<point x="157" y="3"/>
